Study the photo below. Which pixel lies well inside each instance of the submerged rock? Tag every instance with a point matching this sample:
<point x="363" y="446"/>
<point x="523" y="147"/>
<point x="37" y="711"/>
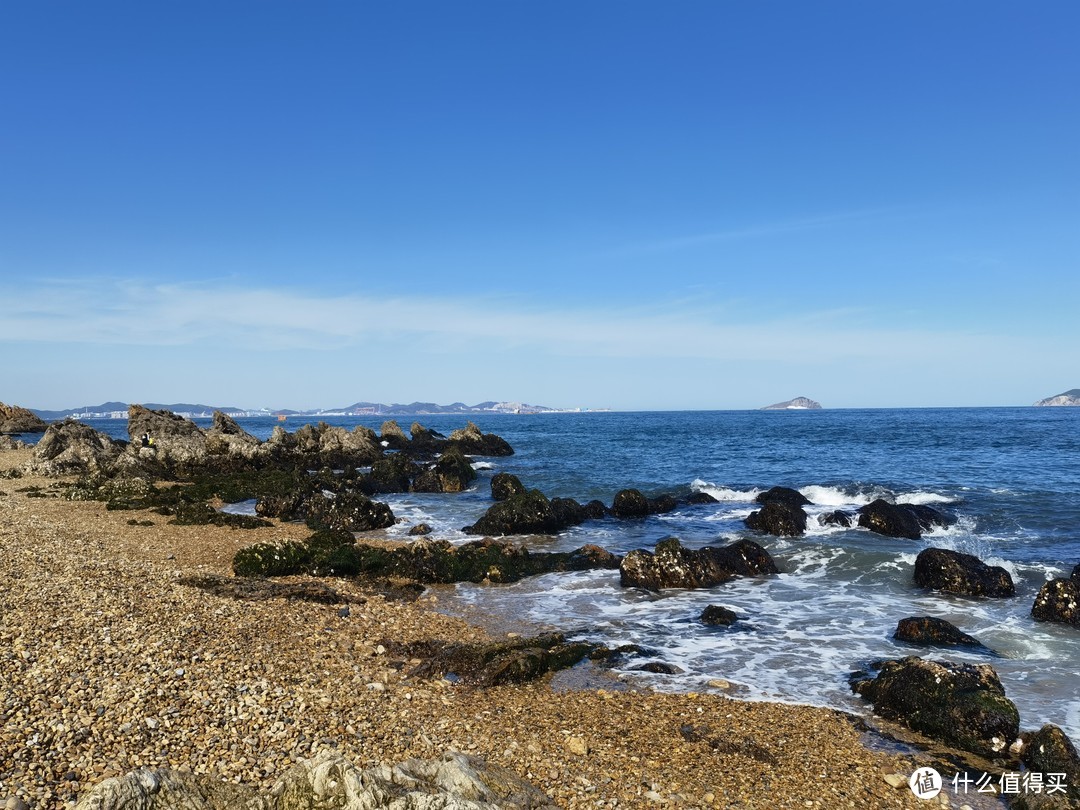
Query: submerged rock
<point x="836" y="518"/>
<point x="451" y="782"/>
<point x="718" y="616"/>
<point x="673" y="566"/>
<point x="931" y="630"/>
<point x="451" y="473"/>
<point x="779" y="517"/>
<point x="951" y="571"/>
<point x="961" y="704"/>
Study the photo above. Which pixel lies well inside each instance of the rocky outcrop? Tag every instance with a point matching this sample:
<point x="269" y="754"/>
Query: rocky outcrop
<point x="1059" y="600"/>
<point x="524" y="513"/>
<point x="427" y="562"/>
<point x="1050" y="751"/>
<point x="950" y="571"/>
<point x="451" y="473"/>
<point x="14" y="419"/>
<point x="226" y="438"/>
<point x="504" y="485"/>
<point x="346" y="511"/>
<point x="929" y="630"/>
<point x="73" y="448"/>
<point x="630" y="503"/>
<point x="517" y="660"/>
<point x="900" y="519"/>
<point x="178" y="442"/>
<point x="471" y="441"/>
<point x="1067" y="398"/>
<point x="671" y="565"/>
<point x="779" y="518"/>
<point x="451" y="782"/>
<point x="960" y="704"/>
<point x="797" y="404"/>
<point x="393" y="436"/>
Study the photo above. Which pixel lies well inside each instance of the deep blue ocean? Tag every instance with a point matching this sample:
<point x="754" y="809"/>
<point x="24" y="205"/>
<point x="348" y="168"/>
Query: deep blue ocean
<point x="1010" y="475"/>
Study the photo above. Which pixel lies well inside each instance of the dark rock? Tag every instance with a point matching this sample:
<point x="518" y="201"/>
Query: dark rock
<point x="425" y="441"/>
<point x="778" y="518"/>
<point x="960" y="704"/>
<point x="351" y="512"/>
<point x="393" y="435"/>
<point x="196" y="513"/>
<point x="1075" y="577"/>
<point x="514" y="661"/>
<point x="630" y="503"/>
<point x="890" y="519"/>
<point x="525" y="513"/>
<point x="953" y="572"/>
<point x="673" y="566"/>
<point x="1058" y="601"/>
<point x="420" y="530"/>
<point x="837" y="518"/>
<point x="785" y="495"/>
<point x="594" y="510"/>
<point x="929" y="517"/>
<point x="391" y="474"/>
<point x="659" y="668"/>
<point x="504" y="485"/>
<point x="451" y="473"/>
<point x="14" y="419"/>
<point x="1050" y="751"/>
<point x="568" y="512"/>
<point x="662" y="504"/>
<point x="931" y="630"/>
<point x="474" y="443"/>
<point x="699" y="498"/>
<point x="718" y="616"/>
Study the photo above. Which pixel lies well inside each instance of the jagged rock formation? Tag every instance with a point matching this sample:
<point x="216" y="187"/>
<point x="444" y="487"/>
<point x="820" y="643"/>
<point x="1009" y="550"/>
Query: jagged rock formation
<point x="1059" y="600"/>
<point x="72" y="447"/>
<point x="797" y="404"/>
<point x="329" y="782"/>
<point x="14" y="419"/>
<point x="1067" y="398"/>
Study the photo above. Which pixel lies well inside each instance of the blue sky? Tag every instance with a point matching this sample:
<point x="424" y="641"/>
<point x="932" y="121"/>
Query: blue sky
<point x="602" y="204"/>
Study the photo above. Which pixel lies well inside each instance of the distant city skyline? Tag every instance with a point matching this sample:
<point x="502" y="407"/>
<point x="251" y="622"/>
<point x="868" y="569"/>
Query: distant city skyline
<point x="625" y="205"/>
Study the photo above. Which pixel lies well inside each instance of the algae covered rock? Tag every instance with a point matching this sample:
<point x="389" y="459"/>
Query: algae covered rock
<point x="951" y="571"/>
<point x="960" y="704"/>
<point x="504" y="485"/>
<point x="473" y="442"/>
<point x="935" y="631"/>
<point x="1058" y="601"/>
<point x="673" y="566"/>
<point x="630" y="503"/>
<point x="523" y="513"/>
<point x="780" y="518"/>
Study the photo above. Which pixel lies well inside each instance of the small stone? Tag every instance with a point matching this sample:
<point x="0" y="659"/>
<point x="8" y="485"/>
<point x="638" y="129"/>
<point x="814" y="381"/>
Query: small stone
<point x="377" y="686"/>
<point x="344" y="612"/>
<point x="718" y="683"/>
<point x="896" y="780"/>
<point x="15" y="803"/>
<point x="577" y="746"/>
<point x="151" y="723"/>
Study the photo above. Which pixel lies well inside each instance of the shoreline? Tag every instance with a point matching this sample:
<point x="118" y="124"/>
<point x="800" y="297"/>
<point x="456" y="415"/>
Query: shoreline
<point x="110" y="664"/>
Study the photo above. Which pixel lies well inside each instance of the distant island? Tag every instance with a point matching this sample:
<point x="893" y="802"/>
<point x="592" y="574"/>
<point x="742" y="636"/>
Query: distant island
<point x="1068" y="398"/>
<point x="797" y="404"/>
<point x="119" y="410"/>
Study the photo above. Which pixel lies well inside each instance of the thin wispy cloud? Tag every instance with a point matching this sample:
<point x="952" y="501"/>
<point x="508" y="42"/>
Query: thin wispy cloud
<point x="126" y="312"/>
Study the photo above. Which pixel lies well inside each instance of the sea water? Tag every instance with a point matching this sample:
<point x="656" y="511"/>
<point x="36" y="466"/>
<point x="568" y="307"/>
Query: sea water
<point x="1011" y="477"/>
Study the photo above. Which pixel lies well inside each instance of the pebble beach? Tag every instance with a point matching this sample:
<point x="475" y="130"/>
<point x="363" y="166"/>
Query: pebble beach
<point x="109" y="662"/>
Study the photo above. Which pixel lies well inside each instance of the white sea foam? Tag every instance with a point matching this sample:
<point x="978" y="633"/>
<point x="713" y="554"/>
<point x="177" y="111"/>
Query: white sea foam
<point x="483" y="465"/>
<point x="923" y="498"/>
<point x="724" y="493"/>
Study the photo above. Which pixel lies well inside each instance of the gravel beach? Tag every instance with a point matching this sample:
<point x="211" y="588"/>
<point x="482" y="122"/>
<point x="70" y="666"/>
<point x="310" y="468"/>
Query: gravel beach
<point x="109" y="662"/>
